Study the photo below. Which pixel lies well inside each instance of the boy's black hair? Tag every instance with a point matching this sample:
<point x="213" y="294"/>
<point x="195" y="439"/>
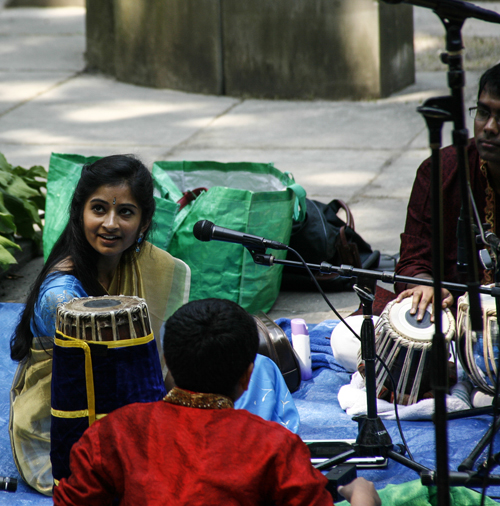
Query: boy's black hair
<point x="209" y="344"/>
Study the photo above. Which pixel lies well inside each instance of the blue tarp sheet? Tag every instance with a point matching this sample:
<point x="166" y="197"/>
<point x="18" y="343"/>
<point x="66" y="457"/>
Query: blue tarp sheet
<point x="321" y="416"/>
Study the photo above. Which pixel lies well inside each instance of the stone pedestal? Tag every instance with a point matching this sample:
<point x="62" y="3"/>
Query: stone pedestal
<point x="100" y="33"/>
<point x="293" y="49"/>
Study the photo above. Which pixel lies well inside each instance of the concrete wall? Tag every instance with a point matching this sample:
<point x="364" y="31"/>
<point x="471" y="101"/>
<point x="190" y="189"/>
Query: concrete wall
<point x="100" y="33"/>
<point x="331" y="49"/>
<point x="397" y="55"/>
<point x="169" y="44"/>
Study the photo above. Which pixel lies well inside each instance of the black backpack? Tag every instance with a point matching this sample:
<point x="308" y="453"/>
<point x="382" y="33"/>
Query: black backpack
<point x="324" y="237"/>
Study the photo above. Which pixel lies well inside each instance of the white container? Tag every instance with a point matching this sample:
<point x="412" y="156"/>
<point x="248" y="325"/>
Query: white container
<point x="302" y="346"/>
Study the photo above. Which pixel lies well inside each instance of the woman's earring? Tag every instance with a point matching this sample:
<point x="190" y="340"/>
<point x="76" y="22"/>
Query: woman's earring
<point x="139" y="240"/>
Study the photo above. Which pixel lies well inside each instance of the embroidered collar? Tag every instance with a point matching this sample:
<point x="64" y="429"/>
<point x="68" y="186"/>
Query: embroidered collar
<point x="490" y="197"/>
<point x="198" y="400"/>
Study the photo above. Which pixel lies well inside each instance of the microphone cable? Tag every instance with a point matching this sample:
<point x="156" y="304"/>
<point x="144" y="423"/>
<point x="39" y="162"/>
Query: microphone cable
<point x="330" y="305"/>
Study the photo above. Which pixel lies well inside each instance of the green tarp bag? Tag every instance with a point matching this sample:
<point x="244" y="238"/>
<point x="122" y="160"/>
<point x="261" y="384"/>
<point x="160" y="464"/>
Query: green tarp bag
<point x="247" y="197"/>
<point x="64" y="173"/>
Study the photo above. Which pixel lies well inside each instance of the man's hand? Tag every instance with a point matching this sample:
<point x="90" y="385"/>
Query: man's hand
<point x="423" y="296"/>
<point x="360" y="492"/>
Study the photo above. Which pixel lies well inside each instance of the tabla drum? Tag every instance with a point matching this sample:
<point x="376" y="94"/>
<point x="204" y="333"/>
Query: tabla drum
<point x="104" y="318"/>
<point x="105" y="357"/>
<point x="478" y="355"/>
<point x="404" y="345"/>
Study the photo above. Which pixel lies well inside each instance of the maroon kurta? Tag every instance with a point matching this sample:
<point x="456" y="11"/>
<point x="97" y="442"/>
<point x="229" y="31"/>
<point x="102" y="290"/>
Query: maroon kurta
<point x="161" y="453"/>
<point x="416" y="241"/>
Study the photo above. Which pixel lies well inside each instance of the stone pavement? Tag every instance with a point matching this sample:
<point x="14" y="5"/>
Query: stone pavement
<point x="365" y="153"/>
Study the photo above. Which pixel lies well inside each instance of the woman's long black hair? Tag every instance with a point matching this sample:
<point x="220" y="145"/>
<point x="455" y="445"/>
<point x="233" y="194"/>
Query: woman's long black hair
<point x="108" y="171"/>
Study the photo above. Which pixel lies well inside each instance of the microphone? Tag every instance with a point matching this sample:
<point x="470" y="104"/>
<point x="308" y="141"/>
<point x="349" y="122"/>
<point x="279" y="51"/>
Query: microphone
<point x="205" y="230"/>
<point x="8" y="484"/>
<point x="454" y="9"/>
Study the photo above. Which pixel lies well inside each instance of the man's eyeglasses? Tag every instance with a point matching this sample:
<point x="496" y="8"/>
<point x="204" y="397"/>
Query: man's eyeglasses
<point x="482" y="115"/>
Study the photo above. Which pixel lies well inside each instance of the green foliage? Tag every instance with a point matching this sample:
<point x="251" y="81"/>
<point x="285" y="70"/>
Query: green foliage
<point x="21" y="199"/>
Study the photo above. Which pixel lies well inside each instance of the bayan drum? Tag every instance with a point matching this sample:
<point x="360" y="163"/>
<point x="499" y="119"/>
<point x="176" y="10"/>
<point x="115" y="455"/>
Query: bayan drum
<point x="478" y="355"/>
<point x="274" y="343"/>
<point x="404" y="345"/>
<point x="105" y="357"/>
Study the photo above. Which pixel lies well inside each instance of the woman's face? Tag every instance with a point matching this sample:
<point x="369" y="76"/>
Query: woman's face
<point x="112" y="220"/>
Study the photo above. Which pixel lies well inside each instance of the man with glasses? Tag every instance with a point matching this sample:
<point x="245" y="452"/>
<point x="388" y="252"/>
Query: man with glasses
<point x="483" y="154"/>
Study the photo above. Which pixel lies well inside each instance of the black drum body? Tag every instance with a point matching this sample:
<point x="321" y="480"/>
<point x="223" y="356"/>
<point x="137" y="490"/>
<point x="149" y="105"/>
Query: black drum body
<point x="274" y="343"/>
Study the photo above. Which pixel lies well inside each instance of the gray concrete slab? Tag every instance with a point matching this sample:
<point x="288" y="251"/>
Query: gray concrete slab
<point x="37" y="53"/>
<point x="366" y="153"/>
<point x="17" y="88"/>
<point x="28" y="155"/>
<point x="42" y="39"/>
<point x="395" y="180"/>
<point x="33" y="21"/>
<point x="313" y="125"/>
<point x="16" y="285"/>
<point x="380" y="221"/>
<point x="312" y="307"/>
<point x="102" y="111"/>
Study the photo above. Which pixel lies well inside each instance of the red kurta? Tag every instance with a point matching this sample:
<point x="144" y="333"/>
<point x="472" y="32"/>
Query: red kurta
<point x="416" y="241"/>
<point x="161" y="453"/>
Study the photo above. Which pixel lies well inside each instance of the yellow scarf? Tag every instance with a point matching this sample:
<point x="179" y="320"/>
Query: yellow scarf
<point x="163" y="281"/>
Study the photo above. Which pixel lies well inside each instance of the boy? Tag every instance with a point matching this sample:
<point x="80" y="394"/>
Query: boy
<point x="193" y="447"/>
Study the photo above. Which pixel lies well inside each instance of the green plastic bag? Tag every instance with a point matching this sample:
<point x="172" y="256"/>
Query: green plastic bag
<point x="253" y="198"/>
<point x="64" y="173"/>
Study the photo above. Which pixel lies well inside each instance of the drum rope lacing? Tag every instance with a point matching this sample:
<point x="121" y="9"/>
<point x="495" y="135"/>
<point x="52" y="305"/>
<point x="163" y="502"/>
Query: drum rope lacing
<point x="389" y="343"/>
<point x="468" y="340"/>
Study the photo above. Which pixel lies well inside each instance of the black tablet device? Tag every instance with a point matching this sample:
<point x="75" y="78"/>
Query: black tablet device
<point x="324" y="449"/>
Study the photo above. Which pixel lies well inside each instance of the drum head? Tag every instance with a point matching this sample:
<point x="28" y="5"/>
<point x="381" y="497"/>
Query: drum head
<point x="105" y="304"/>
<point x="407" y="325"/>
<point x="102" y="303"/>
<point x="487" y="301"/>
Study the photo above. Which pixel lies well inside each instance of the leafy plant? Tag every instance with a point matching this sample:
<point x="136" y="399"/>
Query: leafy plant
<point x="21" y="199"/>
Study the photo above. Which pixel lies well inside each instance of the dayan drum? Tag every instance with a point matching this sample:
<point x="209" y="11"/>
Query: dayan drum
<point x="104" y="318"/>
<point x="404" y="345"/>
<point x="105" y="357"/>
<point x="478" y="355"/>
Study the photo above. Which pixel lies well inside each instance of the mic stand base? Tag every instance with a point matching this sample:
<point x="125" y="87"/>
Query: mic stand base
<point x="373" y="441"/>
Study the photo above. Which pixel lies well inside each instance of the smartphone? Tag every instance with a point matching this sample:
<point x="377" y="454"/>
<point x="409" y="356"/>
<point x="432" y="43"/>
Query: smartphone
<point x="324" y="449"/>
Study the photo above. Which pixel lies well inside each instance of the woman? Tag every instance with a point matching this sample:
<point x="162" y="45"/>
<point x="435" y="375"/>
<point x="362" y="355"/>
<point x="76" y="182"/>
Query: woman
<point x="102" y="250"/>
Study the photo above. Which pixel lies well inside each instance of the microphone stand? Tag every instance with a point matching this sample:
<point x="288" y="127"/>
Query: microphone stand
<point x="373" y="439"/>
<point x="451" y="107"/>
<point x="436" y="111"/>
<point x="262" y="258"/>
